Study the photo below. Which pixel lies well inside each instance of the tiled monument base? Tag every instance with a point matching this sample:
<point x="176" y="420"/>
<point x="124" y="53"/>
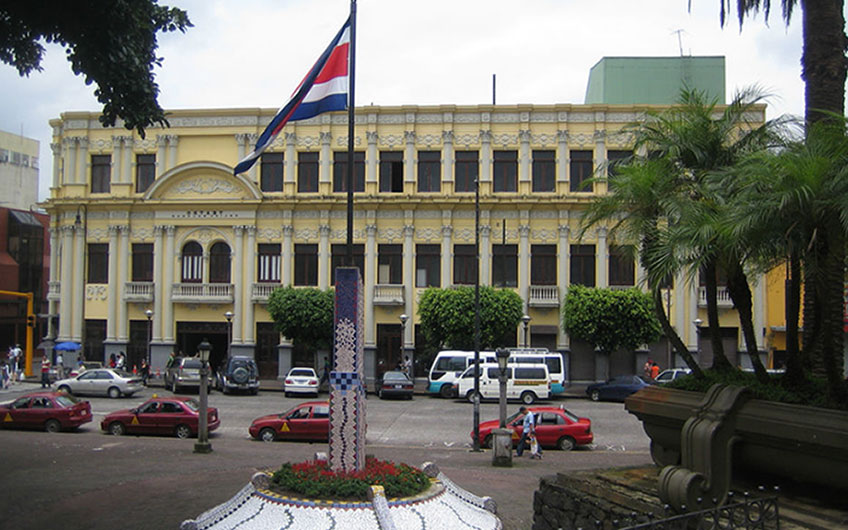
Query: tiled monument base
<point x="444" y="505"/>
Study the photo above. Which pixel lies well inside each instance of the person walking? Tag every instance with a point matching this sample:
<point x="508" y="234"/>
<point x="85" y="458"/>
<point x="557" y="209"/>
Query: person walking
<point x="655" y="371"/>
<point x="145" y="372"/>
<point x="60" y="365"/>
<point x="15" y="358"/>
<point x="121" y="361"/>
<point x="45" y="371"/>
<point x="528" y="427"/>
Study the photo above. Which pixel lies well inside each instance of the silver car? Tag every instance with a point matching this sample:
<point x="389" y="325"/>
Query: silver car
<point x="101" y="381"/>
<point x="185" y="374"/>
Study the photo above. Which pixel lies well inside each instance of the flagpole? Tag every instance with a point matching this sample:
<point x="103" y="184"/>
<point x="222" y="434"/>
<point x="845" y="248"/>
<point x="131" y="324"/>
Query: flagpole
<point x="350" y="127"/>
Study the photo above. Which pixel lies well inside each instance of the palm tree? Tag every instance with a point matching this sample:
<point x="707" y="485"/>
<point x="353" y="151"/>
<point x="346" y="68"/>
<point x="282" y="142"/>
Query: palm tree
<point x="823" y="65"/>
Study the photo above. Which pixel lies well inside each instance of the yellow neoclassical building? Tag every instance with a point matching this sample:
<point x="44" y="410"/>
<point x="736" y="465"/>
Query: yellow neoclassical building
<point x="157" y="245"/>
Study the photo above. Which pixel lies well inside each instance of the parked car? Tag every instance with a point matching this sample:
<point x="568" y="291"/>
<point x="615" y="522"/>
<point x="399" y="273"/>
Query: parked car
<point x="394" y="384"/>
<point x="177" y="416"/>
<point x="617" y="388"/>
<point x="555" y="427"/>
<point x="86" y="365"/>
<point x="239" y="373"/>
<point x="101" y="381"/>
<point x="185" y="373"/>
<point x="671" y="374"/>
<point x="51" y="411"/>
<point x="301" y="381"/>
<point x="307" y="421"/>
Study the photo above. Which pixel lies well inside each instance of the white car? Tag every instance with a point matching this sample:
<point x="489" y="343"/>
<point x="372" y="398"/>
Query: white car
<point x="101" y="381"/>
<point x="301" y="381"/>
<point x="671" y="374"/>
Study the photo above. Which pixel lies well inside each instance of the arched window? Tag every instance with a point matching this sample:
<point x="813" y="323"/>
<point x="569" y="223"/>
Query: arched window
<point x="192" y="262"/>
<point x="219" y="263"/>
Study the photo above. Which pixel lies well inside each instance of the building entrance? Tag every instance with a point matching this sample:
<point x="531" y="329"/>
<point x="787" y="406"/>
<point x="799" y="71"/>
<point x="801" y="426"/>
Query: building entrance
<point x="388" y="347"/>
<point x="191" y="334"/>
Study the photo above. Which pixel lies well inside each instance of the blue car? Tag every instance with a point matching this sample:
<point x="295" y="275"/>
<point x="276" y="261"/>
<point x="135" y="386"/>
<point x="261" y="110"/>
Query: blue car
<point x="617" y="388"/>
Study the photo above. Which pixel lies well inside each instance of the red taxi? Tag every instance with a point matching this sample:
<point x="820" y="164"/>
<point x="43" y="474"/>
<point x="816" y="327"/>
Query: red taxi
<point x="51" y="411"/>
<point x="555" y="427"/>
<point x="178" y="416"/>
<point x="307" y="421"/>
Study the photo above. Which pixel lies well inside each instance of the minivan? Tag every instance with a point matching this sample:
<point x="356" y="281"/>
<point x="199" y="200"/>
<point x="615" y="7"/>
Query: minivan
<point x="527" y="382"/>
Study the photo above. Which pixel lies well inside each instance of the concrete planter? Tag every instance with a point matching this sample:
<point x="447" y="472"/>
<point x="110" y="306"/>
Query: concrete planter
<point x="806" y="444"/>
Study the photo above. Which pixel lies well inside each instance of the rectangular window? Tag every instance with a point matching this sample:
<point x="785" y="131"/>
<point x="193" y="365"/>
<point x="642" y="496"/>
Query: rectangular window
<point x="390" y="264"/>
<point x="339" y="259"/>
<point x="268" y="268"/>
<point x="506" y="171"/>
<point x="101" y="173"/>
<point x="544" y="171"/>
<point x="467" y="169"/>
<point x="543" y="265"/>
<point x="98" y="263"/>
<point x="621" y="267"/>
<point x="305" y="264"/>
<point x="145" y="172"/>
<point x="271" y="172"/>
<point x="142" y="262"/>
<point x="391" y="171"/>
<point x="307" y="172"/>
<point x="429" y="171"/>
<point x="340" y="171"/>
<point x="464" y="265"/>
<point x="614" y="159"/>
<point x="505" y="265"/>
<point x="583" y="265"/>
<point x="428" y="265"/>
<point x="581" y="170"/>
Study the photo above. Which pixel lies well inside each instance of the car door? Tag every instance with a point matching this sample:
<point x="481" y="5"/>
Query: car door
<point x="319" y="424"/>
<point x="40" y="410"/>
<point x="296" y="426"/>
<point x="170" y="415"/>
<point x="19" y="413"/>
<point x="85" y="382"/>
<point x="145" y="419"/>
<point x="101" y="384"/>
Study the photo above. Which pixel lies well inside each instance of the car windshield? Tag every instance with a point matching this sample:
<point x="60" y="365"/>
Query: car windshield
<point x="511" y="418"/>
<point x="66" y="400"/>
<point x="570" y="415"/>
<point x="304" y="372"/>
<point x="192" y="363"/>
<point x="192" y="404"/>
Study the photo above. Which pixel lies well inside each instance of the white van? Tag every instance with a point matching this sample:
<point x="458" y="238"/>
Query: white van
<point x="527" y="382"/>
<point x="448" y="366"/>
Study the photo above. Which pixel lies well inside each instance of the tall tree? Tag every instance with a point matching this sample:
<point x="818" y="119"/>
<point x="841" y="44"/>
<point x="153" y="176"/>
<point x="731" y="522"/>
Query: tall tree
<point x="111" y="43"/>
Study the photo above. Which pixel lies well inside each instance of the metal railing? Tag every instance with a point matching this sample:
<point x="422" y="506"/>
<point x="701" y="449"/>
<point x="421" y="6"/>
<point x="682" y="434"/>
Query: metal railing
<point x="748" y="512"/>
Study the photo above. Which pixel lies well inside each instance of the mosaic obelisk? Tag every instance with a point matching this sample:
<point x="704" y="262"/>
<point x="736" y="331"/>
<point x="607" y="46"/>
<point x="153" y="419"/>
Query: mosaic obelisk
<point x="347" y="380"/>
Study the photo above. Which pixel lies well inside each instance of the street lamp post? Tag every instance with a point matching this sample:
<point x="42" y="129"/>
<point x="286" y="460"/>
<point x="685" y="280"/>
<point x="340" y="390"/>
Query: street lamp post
<point x="203" y="445"/>
<point x="526" y="320"/>
<point x="698" y="323"/>
<point x="403" y="318"/>
<point x="149" y="315"/>
<point x="229" y="316"/>
<point x="502" y="355"/>
<point x="501" y="439"/>
<point x="475" y="446"/>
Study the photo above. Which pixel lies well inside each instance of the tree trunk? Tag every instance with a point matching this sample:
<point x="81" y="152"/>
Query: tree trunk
<point x="740" y="293"/>
<point x="823" y="59"/>
<point x="720" y="361"/>
<point x="672" y="335"/>
<point x="794" y="360"/>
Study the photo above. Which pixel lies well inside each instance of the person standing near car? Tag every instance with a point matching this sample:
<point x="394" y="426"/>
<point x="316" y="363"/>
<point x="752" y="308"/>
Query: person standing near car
<point x="45" y="371"/>
<point x="60" y="365"/>
<point x="15" y="357"/>
<point x="528" y="427"/>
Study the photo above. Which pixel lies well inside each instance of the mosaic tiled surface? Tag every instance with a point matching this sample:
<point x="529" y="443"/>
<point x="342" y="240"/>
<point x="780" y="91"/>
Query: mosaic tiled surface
<point x="347" y="390"/>
<point x="440" y="508"/>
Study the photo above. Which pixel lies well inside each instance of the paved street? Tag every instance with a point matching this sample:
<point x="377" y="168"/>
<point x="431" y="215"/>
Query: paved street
<point x="88" y="479"/>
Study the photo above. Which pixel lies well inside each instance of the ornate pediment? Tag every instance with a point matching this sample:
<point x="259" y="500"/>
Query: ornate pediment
<point x="202" y="181"/>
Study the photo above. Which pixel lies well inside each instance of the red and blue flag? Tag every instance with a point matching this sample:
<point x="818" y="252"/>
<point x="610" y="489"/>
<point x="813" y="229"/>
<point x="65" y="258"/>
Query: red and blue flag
<point x="324" y="89"/>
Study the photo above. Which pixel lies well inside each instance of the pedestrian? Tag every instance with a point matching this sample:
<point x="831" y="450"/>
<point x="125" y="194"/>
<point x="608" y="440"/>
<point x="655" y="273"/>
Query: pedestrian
<point x="647" y="368"/>
<point x="172" y="361"/>
<point x="407" y="366"/>
<point x="145" y="372"/>
<point x="121" y="361"/>
<point x="535" y="448"/>
<point x="15" y="357"/>
<point x="60" y="365"/>
<point x="4" y="373"/>
<point x="528" y="427"/>
<point x="112" y="360"/>
<point x="45" y="371"/>
<point x="655" y="370"/>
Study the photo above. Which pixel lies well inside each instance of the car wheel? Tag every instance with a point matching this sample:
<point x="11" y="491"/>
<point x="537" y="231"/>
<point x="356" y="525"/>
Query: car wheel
<point x="114" y="392"/>
<point x="566" y="443"/>
<point x="470" y="396"/>
<point x="528" y="398"/>
<point x="65" y="388"/>
<point x="117" y="428"/>
<point x="595" y="395"/>
<point x="445" y="391"/>
<point x="267" y="435"/>
<point x="182" y="432"/>
<point x="287" y="394"/>
<point x="52" y="426"/>
<point x="487" y="441"/>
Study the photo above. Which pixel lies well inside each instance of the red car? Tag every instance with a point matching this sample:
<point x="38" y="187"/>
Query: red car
<point x="161" y="415"/>
<point x="51" y="411"/>
<point x="555" y="427"/>
<point x="307" y="421"/>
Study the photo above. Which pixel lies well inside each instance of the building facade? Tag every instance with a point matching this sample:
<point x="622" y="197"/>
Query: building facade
<point x="155" y="240"/>
<point x="18" y="171"/>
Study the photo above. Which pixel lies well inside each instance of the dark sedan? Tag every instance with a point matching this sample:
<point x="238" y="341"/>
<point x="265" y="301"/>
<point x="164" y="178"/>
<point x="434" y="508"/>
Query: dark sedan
<point x="394" y="384"/>
<point x="617" y="388"/>
<point x="175" y="416"/>
<point x="51" y="411"/>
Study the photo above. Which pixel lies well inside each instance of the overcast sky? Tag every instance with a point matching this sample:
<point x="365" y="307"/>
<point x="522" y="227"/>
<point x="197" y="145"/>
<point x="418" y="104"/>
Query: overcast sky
<point x="253" y="53"/>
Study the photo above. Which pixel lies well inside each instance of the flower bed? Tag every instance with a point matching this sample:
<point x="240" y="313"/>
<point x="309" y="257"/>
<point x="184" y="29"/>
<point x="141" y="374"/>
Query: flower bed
<point x="314" y="479"/>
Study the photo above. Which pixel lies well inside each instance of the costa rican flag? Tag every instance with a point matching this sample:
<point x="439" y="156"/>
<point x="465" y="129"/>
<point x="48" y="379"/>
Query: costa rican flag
<point x="324" y="89"/>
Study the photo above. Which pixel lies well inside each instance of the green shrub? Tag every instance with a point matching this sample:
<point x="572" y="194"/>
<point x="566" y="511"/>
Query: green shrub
<point x="811" y="392"/>
<point x="314" y="479"/>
